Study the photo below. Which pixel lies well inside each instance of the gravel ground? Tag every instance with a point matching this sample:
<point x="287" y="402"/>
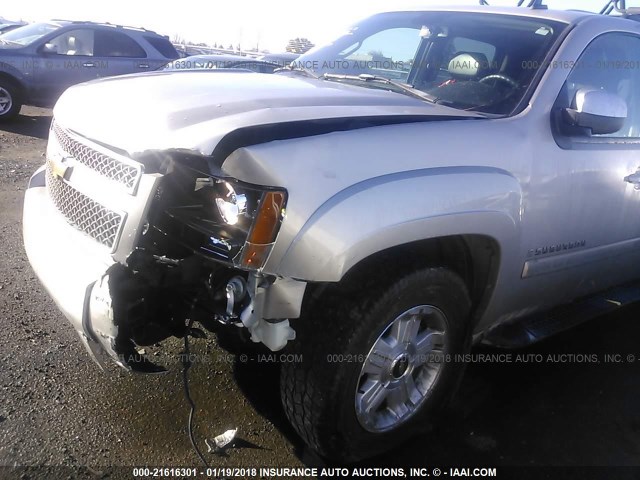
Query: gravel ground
<point x="59" y="410"/>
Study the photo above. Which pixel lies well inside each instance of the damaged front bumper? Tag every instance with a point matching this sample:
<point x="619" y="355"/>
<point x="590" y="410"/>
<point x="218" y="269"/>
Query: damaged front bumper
<point x="118" y="300"/>
<point x="66" y="261"/>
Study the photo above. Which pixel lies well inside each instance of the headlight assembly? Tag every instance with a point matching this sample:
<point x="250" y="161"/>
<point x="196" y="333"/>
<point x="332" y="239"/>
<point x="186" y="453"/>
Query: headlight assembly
<point x="230" y="204"/>
<point x="221" y="218"/>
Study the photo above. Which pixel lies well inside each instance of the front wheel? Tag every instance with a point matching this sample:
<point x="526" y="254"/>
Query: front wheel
<point x="371" y="369"/>
<point x="10" y="102"/>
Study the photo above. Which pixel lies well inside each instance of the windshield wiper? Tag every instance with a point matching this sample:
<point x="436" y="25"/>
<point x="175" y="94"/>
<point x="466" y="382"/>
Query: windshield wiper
<point x="366" y="78"/>
<point x="291" y="68"/>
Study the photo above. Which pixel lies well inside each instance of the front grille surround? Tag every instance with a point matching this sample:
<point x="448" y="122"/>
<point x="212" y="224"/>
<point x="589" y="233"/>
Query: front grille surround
<point x="108" y="164"/>
<point x="84" y="213"/>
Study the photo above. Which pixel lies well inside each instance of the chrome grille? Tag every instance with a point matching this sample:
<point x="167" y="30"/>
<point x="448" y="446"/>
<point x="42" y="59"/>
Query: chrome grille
<point x="84" y="213"/>
<point x="103" y="164"/>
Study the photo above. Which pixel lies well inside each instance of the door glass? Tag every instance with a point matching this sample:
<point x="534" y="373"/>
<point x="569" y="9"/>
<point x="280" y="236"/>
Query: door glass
<point x="611" y="63"/>
<point x="116" y="44"/>
<point x="74" y="42"/>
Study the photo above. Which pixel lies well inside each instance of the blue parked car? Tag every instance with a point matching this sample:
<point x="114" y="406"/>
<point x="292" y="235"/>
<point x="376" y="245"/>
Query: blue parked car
<point x="40" y="61"/>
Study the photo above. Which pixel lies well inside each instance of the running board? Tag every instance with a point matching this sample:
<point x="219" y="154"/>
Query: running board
<point x="534" y="328"/>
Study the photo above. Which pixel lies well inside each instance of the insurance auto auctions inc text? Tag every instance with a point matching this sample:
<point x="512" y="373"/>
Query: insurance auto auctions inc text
<point x="375" y="472"/>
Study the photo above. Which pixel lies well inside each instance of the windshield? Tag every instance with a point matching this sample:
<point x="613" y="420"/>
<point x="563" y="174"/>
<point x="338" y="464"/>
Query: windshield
<point x="28" y="34"/>
<point x="470" y="61"/>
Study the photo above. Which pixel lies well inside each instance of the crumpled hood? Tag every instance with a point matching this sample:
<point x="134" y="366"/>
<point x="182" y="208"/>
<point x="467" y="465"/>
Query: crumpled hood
<point x="195" y="109"/>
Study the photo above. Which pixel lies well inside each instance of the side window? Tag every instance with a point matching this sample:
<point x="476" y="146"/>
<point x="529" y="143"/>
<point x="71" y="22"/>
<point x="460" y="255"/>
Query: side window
<point x="611" y="63"/>
<point x="77" y="42"/>
<point x="163" y="46"/>
<point x="391" y="51"/>
<point x="117" y="44"/>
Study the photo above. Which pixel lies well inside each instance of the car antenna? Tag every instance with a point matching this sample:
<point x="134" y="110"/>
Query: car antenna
<point x="484" y="2"/>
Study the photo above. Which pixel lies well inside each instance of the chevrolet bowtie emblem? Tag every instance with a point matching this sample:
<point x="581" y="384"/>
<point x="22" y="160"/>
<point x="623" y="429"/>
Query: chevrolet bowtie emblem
<point x="58" y="166"/>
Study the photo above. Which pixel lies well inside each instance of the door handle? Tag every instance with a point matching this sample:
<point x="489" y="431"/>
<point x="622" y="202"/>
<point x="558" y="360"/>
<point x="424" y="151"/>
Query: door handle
<point x="634" y="179"/>
<point x="143" y="65"/>
<point x="88" y="64"/>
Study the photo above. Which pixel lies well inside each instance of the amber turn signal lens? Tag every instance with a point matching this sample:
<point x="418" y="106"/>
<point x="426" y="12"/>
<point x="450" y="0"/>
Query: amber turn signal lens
<point x="267" y="221"/>
<point x="264" y="230"/>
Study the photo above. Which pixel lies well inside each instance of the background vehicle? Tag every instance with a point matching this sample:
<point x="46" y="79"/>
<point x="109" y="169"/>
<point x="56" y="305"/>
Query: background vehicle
<point x="39" y="61"/>
<point x="429" y="180"/>
<point x="7" y="27"/>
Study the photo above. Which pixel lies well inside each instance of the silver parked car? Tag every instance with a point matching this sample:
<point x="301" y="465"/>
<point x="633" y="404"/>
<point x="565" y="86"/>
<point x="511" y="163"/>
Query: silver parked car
<point x="431" y="179"/>
<point x="39" y="61"/>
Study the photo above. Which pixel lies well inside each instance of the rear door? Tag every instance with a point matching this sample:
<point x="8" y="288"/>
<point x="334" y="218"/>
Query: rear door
<point x="117" y="53"/>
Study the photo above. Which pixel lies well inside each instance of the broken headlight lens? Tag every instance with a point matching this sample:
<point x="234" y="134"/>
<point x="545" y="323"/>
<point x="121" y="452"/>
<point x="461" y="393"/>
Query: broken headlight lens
<point x="224" y="219"/>
<point x="230" y="204"/>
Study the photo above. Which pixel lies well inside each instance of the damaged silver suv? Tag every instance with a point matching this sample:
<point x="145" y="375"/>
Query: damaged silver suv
<point x="429" y="180"/>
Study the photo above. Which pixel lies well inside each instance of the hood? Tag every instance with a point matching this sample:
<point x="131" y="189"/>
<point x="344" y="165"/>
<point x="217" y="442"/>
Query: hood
<point x="194" y="110"/>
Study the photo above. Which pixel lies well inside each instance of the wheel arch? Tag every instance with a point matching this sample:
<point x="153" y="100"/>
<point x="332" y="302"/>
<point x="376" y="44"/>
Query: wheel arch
<point x="15" y="80"/>
<point x="475" y="258"/>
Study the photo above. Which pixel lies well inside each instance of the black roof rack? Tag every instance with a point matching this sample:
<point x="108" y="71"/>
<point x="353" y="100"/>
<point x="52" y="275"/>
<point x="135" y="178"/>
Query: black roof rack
<point x="535" y="4"/>
<point x="619" y="6"/>
<point x="104" y="24"/>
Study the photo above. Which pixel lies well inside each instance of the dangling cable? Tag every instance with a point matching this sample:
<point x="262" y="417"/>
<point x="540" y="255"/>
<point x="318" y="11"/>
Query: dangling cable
<point x="186" y="364"/>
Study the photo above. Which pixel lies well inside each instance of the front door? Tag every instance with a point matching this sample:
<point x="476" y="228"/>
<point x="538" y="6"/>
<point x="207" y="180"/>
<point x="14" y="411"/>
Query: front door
<point x="586" y="217"/>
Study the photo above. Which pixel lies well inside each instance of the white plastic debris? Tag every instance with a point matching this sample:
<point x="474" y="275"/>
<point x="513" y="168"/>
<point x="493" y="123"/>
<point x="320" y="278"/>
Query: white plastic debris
<point x="222" y="440"/>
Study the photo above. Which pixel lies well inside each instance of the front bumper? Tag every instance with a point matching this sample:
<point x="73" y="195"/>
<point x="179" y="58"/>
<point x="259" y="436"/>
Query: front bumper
<point x="67" y="262"/>
<point x="76" y="271"/>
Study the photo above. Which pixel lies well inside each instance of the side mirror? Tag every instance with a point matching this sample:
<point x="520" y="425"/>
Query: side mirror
<point x="49" y="48"/>
<point x="597" y="111"/>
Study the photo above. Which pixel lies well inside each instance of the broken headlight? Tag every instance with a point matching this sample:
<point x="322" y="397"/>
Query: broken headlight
<point x="221" y="218"/>
<point x="231" y="204"/>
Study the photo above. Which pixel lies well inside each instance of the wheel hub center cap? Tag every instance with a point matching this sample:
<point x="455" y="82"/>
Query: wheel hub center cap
<point x="400" y="366"/>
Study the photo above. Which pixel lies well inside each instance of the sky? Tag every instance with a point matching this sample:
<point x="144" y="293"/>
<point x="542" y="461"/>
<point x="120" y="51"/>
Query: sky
<point x="249" y="23"/>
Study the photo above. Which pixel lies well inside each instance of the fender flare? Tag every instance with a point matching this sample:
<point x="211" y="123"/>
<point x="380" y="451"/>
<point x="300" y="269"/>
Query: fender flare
<point x="405" y="207"/>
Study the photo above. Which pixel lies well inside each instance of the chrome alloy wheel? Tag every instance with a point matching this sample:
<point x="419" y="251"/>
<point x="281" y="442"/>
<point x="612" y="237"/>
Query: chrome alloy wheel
<point x="401" y="368"/>
<point x="6" y="102"/>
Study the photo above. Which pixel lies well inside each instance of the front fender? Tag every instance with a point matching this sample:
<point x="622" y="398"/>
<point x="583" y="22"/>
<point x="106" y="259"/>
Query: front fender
<point x="400" y="208"/>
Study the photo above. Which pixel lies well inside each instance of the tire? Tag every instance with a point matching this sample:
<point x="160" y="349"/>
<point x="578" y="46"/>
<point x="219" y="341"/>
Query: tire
<point x="323" y="392"/>
<point x="10" y="100"/>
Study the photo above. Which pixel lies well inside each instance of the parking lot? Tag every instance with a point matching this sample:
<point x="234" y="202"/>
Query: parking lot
<point x="58" y="408"/>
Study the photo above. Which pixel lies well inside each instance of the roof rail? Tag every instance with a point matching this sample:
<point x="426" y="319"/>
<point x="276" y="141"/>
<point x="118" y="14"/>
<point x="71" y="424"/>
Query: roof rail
<point x="534" y="4"/>
<point x="619" y="6"/>
<point x="104" y="24"/>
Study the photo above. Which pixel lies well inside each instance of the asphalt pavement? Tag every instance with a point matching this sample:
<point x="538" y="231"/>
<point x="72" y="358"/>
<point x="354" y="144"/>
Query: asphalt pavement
<point x="572" y="400"/>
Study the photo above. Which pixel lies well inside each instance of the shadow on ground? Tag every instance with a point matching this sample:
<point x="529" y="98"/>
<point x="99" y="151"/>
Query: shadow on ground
<point x="559" y="403"/>
<point x="31" y="123"/>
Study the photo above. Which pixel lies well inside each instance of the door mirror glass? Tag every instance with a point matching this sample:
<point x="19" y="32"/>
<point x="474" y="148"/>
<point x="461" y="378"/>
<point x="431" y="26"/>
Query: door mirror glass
<point x="596" y="111"/>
